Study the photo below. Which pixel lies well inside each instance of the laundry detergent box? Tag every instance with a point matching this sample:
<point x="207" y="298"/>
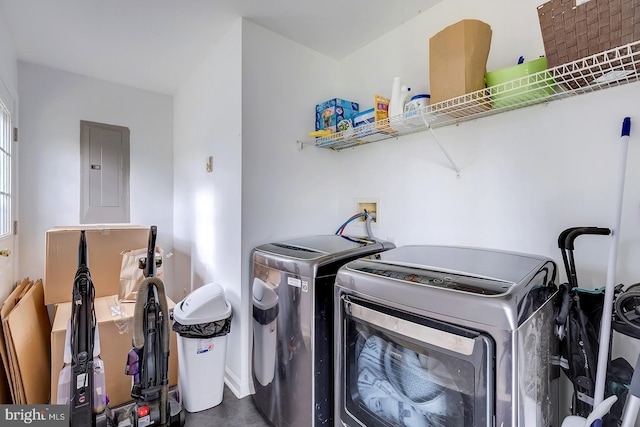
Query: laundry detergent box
<point x="336" y="114"/>
<point x="362" y="119"/>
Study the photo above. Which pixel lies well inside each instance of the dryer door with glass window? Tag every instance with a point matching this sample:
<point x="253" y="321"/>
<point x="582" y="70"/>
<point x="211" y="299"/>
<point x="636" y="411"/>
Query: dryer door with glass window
<point x="402" y="369"/>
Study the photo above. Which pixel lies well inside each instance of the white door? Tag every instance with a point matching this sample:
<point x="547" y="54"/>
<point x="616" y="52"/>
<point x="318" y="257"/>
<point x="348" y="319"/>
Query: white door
<point x="8" y="202"/>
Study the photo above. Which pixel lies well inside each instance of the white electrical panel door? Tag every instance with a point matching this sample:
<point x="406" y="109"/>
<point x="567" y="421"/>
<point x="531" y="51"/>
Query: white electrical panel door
<point x="104" y="152"/>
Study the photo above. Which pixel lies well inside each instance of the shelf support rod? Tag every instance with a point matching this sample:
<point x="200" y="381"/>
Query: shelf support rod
<point x="446" y="154"/>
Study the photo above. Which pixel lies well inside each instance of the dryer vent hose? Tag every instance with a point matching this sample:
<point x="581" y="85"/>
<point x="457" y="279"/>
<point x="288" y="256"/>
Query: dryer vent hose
<point x="369" y="217"/>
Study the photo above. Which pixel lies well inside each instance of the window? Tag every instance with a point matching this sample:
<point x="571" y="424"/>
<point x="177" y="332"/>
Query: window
<point x="5" y="171"/>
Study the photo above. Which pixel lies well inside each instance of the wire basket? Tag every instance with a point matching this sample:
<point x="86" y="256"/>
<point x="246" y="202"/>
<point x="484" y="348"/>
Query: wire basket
<point x="573" y="31"/>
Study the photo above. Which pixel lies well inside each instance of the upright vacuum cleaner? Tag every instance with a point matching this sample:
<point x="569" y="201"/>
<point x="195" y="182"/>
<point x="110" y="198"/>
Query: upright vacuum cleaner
<point x="81" y="383"/>
<point x="148" y="360"/>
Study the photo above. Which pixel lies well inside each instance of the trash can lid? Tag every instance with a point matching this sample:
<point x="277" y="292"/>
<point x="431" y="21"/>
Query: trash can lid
<point x="205" y="304"/>
<point x="264" y="297"/>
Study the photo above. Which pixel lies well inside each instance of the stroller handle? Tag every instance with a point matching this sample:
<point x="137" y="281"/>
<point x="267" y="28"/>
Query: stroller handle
<point x="568" y="236"/>
<point x="565" y="243"/>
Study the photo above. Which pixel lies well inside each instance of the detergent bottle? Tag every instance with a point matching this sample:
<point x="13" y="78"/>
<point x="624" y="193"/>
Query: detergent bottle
<point x="394" y="101"/>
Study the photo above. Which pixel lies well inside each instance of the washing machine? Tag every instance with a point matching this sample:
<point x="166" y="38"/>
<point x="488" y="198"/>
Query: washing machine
<point x="293" y="324"/>
<point x="446" y="336"/>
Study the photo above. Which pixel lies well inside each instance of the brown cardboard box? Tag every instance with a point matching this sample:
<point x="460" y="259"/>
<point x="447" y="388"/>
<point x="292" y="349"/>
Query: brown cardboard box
<point x="6" y="349"/>
<point x="114" y="347"/>
<point x="458" y="58"/>
<point x="29" y="328"/>
<point x="25" y="347"/>
<point x="104" y="244"/>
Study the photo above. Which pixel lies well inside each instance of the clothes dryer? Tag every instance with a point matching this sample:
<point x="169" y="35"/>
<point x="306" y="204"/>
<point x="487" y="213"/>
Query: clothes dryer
<point x="446" y="336"/>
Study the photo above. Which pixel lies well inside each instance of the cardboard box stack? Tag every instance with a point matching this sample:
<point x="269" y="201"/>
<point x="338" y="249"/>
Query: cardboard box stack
<point x="25" y="346"/>
<point x="115" y="320"/>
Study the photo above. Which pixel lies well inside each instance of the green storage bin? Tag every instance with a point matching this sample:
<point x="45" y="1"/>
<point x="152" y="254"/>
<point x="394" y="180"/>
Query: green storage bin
<point x="510" y="87"/>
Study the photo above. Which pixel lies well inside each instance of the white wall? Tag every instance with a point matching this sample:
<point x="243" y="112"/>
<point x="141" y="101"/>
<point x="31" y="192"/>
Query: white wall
<point x="208" y="205"/>
<point x="8" y="65"/>
<point x="53" y="103"/>
<point x="246" y="105"/>
<point x="525" y="175"/>
<point x="9" y="96"/>
<point x="285" y="192"/>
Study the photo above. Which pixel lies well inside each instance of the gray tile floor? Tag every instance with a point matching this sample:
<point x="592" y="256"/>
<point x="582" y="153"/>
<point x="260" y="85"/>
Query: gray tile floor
<point x="231" y="412"/>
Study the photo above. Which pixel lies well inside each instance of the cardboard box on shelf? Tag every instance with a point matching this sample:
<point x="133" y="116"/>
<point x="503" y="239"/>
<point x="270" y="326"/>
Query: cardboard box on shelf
<point x="458" y="58"/>
<point x="115" y="322"/>
<point x="105" y="245"/>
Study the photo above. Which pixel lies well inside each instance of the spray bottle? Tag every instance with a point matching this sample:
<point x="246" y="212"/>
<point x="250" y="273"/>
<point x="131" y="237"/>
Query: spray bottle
<point x="400" y="95"/>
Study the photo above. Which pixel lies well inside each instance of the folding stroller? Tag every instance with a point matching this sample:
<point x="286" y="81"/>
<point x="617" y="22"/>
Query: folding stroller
<point x="578" y="324"/>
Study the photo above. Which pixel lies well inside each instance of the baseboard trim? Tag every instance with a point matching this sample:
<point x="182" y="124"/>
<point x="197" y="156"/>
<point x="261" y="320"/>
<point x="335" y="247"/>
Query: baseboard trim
<point x="239" y="388"/>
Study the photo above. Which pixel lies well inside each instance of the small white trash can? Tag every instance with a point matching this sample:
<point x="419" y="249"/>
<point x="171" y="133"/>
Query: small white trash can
<point x="202" y="321"/>
<point x="265" y="315"/>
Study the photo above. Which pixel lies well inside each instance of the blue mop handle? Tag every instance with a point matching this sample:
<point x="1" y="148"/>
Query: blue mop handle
<point x="607" y="308"/>
<point x="626" y="126"/>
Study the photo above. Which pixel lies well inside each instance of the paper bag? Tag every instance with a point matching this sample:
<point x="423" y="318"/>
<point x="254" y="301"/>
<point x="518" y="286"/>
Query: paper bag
<point x="458" y="58"/>
<point x="131" y="275"/>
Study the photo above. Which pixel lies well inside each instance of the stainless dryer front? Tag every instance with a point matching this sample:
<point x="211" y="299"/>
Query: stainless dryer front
<point x="293" y="323"/>
<point x="446" y="336"/>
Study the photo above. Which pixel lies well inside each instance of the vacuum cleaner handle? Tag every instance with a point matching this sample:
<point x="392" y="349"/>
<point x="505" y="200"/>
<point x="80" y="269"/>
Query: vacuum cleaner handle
<point x="83" y="257"/>
<point x="81" y="385"/>
<point x="150" y="268"/>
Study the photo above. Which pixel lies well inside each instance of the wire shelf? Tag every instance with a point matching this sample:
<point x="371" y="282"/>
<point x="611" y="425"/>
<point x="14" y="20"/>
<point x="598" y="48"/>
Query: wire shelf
<point x="613" y="67"/>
